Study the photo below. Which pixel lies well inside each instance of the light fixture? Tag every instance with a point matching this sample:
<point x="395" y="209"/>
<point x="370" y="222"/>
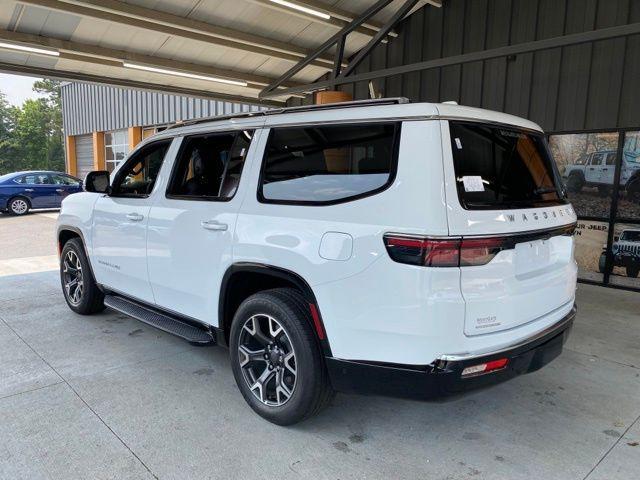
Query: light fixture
<point x="301" y="8"/>
<point x="24" y="48"/>
<point x="178" y="73"/>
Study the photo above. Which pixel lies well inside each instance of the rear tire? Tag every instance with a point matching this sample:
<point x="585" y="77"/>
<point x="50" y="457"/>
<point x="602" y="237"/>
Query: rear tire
<point x="575" y="183"/>
<point x="276" y="358"/>
<point x="602" y="262"/>
<point x="18" y="206"/>
<point x="78" y="285"/>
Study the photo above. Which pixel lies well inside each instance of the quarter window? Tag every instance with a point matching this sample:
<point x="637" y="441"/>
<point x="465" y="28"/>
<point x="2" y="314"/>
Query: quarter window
<point x="138" y="175"/>
<point x="209" y="166"/>
<point x="328" y="164"/>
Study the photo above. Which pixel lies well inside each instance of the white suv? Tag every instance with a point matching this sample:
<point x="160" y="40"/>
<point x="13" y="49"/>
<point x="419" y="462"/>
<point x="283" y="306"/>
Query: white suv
<point x="380" y="247"/>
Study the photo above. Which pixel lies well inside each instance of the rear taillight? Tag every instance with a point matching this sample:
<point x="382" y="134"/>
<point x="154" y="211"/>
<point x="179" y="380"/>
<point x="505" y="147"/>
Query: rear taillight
<point x="482" y="368"/>
<point x="444" y="252"/>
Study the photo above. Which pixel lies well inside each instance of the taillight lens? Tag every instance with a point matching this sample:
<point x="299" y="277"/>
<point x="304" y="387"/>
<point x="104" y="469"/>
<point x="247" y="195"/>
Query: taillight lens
<point x="444" y="252"/>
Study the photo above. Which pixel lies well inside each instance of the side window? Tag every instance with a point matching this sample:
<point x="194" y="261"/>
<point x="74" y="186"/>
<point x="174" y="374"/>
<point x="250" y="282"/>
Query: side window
<point x="64" y="180"/>
<point x="138" y="175"/>
<point x="597" y="158"/>
<point x="611" y="159"/>
<point x="209" y="166"/>
<point x="328" y="164"/>
<point x="34" y="179"/>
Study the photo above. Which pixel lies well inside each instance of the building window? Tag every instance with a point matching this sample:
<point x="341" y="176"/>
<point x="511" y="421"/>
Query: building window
<point x="116" y="147"/>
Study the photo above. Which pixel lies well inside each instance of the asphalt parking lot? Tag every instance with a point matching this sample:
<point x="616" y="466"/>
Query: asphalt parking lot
<point x="108" y="397"/>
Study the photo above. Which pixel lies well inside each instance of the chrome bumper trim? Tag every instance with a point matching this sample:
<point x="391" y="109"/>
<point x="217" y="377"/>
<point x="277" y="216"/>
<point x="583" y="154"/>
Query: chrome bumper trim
<point x="558" y="326"/>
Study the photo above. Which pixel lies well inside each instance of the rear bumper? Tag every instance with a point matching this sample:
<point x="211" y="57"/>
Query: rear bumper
<point x="443" y="377"/>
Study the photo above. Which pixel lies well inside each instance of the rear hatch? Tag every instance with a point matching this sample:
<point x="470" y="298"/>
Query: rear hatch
<point x="506" y="202"/>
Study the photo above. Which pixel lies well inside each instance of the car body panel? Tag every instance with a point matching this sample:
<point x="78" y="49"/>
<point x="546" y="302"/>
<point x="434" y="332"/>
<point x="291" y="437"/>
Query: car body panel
<point x="39" y="195"/>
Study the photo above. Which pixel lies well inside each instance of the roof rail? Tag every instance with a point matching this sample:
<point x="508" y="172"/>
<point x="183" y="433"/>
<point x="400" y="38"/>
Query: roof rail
<point x="302" y="108"/>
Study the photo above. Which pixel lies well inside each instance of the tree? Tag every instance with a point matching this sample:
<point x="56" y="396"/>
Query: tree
<point x="31" y="136"/>
<point x="7" y="128"/>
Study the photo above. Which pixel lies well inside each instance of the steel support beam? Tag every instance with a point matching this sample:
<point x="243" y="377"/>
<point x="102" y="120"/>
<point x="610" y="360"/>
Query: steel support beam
<point x="111" y="57"/>
<point x="520" y="48"/>
<point x="272" y="90"/>
<point x="18" y="69"/>
<point x="397" y="16"/>
<point x="169" y="24"/>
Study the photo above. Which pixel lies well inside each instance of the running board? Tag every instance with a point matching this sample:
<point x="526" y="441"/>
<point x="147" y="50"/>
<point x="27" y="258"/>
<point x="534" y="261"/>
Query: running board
<point x="162" y="321"/>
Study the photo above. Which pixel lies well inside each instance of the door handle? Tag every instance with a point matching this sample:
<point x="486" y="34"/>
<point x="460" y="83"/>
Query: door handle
<point x="605" y="169"/>
<point x="60" y="190"/>
<point x="135" y="217"/>
<point x="28" y="189"/>
<point x="214" y="225"/>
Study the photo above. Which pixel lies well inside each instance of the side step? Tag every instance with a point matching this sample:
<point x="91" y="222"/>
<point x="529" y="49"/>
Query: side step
<point x="162" y="321"/>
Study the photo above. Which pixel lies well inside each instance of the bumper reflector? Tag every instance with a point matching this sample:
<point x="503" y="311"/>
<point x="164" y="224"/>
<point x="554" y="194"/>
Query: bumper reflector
<point x="483" y="368"/>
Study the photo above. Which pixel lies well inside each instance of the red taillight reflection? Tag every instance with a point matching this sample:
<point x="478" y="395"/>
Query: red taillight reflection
<point x="445" y="252"/>
<point x="480" y="251"/>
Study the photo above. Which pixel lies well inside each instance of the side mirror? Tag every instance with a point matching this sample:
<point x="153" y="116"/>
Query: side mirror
<point x="616" y="238"/>
<point x="98" y="181"/>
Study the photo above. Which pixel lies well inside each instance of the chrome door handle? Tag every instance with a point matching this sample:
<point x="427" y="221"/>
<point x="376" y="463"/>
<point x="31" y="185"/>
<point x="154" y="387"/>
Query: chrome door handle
<point x="214" y="225"/>
<point x="60" y="190"/>
<point x="28" y="189"/>
<point x="135" y="217"/>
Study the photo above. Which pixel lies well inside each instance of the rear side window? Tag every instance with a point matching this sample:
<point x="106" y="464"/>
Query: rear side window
<point x="500" y="168"/>
<point x="209" y="166"/>
<point x="328" y="164"/>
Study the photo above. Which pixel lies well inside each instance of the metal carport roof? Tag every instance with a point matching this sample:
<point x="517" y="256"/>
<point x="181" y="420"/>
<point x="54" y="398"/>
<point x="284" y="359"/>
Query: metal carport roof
<point x="244" y="44"/>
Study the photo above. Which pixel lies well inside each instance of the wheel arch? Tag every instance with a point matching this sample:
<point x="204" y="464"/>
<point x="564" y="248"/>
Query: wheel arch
<point x="68" y="232"/>
<point x="244" y="279"/>
<point x="19" y="195"/>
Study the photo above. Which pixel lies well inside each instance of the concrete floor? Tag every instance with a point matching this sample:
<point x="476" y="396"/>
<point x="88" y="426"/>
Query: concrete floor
<point x="108" y="397"/>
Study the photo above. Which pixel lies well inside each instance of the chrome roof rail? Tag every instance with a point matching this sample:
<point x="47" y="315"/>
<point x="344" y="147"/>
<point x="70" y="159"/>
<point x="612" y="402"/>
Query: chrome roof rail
<point x="301" y="108"/>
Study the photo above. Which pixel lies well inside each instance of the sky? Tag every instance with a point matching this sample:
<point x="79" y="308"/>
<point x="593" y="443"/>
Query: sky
<point x="17" y="88"/>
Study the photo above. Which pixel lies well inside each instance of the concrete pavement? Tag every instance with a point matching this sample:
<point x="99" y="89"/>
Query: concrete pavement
<point x="108" y="397"/>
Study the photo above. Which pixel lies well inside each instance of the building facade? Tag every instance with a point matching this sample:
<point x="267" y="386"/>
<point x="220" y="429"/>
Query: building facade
<point x="103" y="123"/>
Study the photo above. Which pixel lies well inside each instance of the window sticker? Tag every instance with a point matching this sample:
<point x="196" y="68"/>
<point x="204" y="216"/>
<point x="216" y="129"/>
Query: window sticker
<point x="473" y="183"/>
<point x="458" y="143"/>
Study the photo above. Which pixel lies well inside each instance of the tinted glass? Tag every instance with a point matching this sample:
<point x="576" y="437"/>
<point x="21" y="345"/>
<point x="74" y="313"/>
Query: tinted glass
<point x="328" y="163"/>
<point x="139" y="174"/>
<point x="499" y="167"/>
<point x="64" y="180"/>
<point x="209" y="166"/>
<point x="35" y="179"/>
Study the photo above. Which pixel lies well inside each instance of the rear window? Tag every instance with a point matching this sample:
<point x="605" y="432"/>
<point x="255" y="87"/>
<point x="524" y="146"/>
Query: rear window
<point x="499" y="168"/>
<point x="328" y="164"/>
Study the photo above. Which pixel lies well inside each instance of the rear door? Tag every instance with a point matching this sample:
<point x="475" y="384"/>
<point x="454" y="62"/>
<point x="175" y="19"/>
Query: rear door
<point x="192" y="225"/>
<point x="39" y="189"/>
<point x="506" y="202"/>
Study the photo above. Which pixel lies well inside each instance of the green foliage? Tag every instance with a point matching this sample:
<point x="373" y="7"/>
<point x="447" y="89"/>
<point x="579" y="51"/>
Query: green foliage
<point x="31" y="136"/>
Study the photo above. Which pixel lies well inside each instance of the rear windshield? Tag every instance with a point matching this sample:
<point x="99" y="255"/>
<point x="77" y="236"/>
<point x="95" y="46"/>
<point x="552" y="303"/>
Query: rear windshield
<point x="498" y="167"/>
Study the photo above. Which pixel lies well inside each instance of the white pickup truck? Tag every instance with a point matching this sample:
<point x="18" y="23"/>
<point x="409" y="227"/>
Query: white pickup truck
<point x="597" y="169"/>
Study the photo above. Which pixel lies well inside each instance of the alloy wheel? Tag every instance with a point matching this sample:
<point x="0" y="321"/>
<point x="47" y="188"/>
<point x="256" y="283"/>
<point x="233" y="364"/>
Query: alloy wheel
<point x="267" y="360"/>
<point x="19" y="206"/>
<point x="73" y="280"/>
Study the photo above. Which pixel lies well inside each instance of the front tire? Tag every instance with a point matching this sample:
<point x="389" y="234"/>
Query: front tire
<point x="276" y="358"/>
<point x="78" y="285"/>
<point x="633" y="271"/>
<point x="19" y="206"/>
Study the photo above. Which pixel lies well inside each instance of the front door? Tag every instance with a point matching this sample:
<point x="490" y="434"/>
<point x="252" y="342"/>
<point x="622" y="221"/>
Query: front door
<point x="593" y="170"/>
<point x="120" y="224"/>
<point x="191" y="228"/>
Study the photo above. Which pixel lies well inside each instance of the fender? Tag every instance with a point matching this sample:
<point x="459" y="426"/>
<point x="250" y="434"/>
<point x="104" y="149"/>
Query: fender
<point x="77" y="231"/>
<point x="282" y="274"/>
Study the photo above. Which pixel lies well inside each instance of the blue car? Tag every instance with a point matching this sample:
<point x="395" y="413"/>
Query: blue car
<point x="22" y="191"/>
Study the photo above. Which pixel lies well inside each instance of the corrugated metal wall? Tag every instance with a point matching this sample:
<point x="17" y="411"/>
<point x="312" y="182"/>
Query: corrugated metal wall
<point x="588" y="86"/>
<point x="88" y="107"/>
